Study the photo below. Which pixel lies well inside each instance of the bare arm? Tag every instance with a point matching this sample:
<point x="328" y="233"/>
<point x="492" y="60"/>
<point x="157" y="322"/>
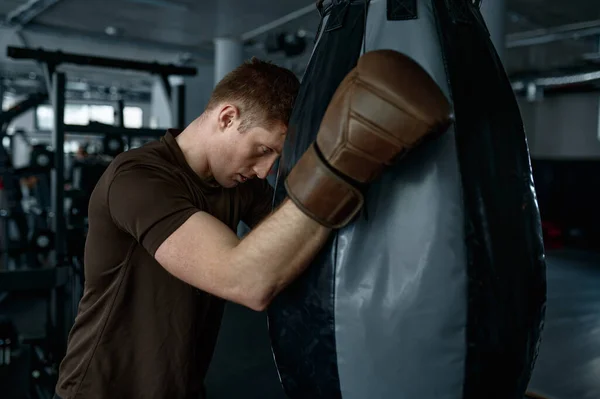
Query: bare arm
<point x="206" y="254"/>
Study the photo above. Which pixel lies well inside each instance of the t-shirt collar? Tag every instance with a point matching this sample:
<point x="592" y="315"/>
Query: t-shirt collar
<point x="175" y="150"/>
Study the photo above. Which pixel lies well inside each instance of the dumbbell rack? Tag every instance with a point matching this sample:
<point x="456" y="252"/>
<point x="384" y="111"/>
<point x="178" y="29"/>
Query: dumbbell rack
<point x="56" y="87"/>
<point x="60" y="282"/>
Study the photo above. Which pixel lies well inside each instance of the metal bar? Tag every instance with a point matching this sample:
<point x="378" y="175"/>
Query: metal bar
<point x="5" y="175"/>
<point x="20" y="10"/>
<point x="30" y="102"/>
<point x="179" y="105"/>
<point x="6" y="203"/>
<point x="58" y="172"/>
<point x="546" y="79"/>
<point x="27" y="12"/>
<point x="61" y="329"/>
<point x="163" y="4"/>
<point x="586" y="77"/>
<point x="5" y="243"/>
<point x="22" y="40"/>
<point x="58" y="57"/>
<point x="4" y="160"/>
<point x="3" y="125"/>
<point x="166" y="86"/>
<point x="48" y="71"/>
<point x="278" y="22"/>
<point x="100" y="129"/>
<point x="201" y="55"/>
<point x="120" y="119"/>
<point x="598" y="124"/>
<point x="557" y="33"/>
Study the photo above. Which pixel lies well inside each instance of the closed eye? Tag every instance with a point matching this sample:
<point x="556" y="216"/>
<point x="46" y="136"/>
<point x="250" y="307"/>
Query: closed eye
<point x="265" y="150"/>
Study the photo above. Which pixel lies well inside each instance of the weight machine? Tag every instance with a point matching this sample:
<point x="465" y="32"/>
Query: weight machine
<point x="59" y="282"/>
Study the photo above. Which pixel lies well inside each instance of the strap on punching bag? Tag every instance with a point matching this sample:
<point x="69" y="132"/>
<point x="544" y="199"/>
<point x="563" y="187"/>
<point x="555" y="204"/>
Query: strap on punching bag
<point x="301" y="318"/>
<point x="335" y="54"/>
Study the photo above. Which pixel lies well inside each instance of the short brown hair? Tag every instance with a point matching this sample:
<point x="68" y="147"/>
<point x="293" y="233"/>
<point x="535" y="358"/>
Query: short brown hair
<point x="263" y="92"/>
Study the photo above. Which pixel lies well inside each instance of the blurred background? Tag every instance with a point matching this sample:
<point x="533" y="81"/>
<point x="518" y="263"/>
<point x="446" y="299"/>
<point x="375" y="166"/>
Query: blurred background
<point x="119" y="72"/>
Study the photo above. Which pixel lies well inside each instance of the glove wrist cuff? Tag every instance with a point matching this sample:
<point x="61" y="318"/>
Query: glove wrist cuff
<point x="321" y="193"/>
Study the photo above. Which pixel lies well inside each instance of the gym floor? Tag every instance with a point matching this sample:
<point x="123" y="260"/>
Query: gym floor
<point x="568" y="366"/>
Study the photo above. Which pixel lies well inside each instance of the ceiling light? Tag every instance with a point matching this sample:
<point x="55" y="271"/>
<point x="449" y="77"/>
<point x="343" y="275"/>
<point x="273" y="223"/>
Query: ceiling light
<point x="111" y="31"/>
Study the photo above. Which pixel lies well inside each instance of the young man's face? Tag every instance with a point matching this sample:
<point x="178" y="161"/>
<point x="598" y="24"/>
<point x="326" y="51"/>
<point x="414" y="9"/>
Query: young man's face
<point x="248" y="154"/>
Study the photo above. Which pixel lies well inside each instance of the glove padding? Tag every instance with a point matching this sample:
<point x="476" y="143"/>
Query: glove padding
<point x="383" y="108"/>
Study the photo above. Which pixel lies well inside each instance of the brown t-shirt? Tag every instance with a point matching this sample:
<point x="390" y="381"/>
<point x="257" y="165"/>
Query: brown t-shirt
<point x="140" y="332"/>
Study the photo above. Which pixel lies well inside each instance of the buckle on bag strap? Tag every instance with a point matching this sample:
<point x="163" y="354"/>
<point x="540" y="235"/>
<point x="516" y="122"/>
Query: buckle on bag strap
<point x="401" y="10"/>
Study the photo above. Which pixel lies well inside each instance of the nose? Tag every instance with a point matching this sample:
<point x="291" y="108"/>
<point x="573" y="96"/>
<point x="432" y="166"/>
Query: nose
<point x="263" y="168"/>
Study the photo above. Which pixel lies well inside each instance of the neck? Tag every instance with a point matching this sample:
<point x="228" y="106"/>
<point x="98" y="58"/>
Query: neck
<point x="192" y="142"/>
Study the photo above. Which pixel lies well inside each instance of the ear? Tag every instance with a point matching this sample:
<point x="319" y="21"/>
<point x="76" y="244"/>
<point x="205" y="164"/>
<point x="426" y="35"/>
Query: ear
<point x="227" y="116"/>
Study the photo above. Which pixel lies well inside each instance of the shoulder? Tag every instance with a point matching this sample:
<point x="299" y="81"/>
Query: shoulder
<point x="149" y="160"/>
<point x="140" y="176"/>
<point x="151" y="154"/>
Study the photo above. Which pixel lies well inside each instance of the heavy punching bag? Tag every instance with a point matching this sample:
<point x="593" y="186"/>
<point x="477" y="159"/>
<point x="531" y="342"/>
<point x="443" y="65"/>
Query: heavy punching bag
<point x="437" y="290"/>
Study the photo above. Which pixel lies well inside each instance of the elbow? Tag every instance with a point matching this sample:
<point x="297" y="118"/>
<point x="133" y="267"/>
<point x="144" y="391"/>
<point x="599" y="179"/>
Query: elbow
<point x="259" y="299"/>
<point x="257" y="306"/>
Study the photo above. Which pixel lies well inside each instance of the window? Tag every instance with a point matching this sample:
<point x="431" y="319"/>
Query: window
<point x="44" y="115"/>
<point x="133" y="117"/>
<point x="102" y="114"/>
<point x="83" y="114"/>
<point x="76" y="114"/>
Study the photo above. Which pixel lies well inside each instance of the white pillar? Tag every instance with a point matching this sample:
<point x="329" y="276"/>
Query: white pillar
<point x="160" y="106"/>
<point x="229" y="54"/>
<point x="494" y="14"/>
<point x="197" y="91"/>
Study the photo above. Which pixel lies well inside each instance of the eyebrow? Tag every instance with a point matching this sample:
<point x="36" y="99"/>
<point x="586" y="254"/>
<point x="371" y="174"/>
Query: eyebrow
<point x="279" y="149"/>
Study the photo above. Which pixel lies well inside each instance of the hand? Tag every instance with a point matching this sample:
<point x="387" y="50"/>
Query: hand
<point x="383" y="108"/>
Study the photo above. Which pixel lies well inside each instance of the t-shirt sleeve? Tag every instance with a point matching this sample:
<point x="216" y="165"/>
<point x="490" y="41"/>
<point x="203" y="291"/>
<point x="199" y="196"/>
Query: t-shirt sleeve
<point x="259" y="203"/>
<point x="149" y="204"/>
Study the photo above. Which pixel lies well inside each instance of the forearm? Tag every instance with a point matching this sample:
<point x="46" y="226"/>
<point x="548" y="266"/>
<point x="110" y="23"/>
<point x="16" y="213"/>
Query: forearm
<point x="277" y="251"/>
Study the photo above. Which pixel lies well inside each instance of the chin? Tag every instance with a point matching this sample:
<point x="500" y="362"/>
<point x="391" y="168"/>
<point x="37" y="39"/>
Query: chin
<point x="228" y="183"/>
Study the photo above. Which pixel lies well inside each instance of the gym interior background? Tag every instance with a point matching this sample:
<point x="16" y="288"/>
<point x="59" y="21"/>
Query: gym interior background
<point x="119" y="72"/>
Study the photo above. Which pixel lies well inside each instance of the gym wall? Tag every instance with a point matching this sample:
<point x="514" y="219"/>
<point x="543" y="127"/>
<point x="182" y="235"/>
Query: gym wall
<point x="563" y="132"/>
<point x="563" y="126"/>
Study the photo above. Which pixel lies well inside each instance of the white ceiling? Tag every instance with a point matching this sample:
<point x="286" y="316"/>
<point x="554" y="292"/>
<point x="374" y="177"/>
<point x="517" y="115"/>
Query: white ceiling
<point x="183" y="24"/>
<point x="166" y="30"/>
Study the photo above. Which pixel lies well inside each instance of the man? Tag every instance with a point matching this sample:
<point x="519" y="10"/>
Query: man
<point x="161" y="253"/>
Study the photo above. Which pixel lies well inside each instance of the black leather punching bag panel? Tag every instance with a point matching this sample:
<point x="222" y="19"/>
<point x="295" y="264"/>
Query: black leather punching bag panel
<point x="301" y="319"/>
<point x="506" y="263"/>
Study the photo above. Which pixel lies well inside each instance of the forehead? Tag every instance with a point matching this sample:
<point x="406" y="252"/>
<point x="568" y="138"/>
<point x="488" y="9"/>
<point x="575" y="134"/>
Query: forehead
<point x="272" y="136"/>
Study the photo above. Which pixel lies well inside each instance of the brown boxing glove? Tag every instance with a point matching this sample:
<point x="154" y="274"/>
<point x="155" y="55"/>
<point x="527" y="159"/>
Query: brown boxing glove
<point x="382" y="109"/>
